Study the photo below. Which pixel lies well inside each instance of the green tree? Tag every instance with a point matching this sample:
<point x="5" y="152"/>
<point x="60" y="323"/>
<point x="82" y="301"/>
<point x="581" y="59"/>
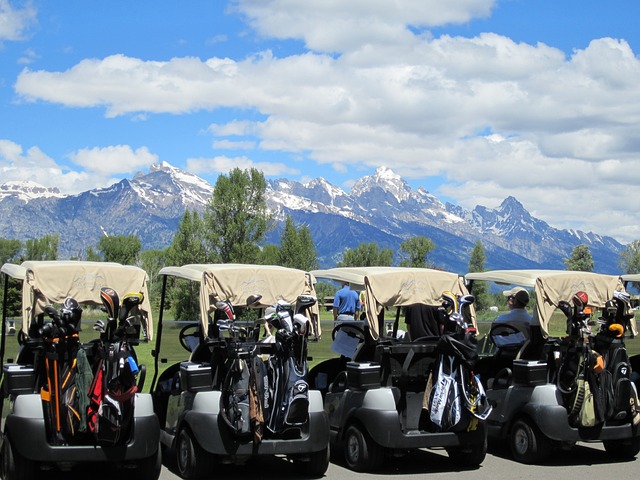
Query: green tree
<point x="297" y="249"/>
<point x="415" y="251"/>
<point x="9" y="250"/>
<point x="366" y="255"/>
<point x="91" y="255"/>
<point x="152" y="261"/>
<point x="122" y="249"/>
<point x="269" y="255"/>
<point x="237" y="218"/>
<point x="629" y="259"/>
<point x="580" y="260"/>
<point x="44" y="248"/>
<point x="476" y="264"/>
<point x="188" y="246"/>
<point x="10" y="253"/>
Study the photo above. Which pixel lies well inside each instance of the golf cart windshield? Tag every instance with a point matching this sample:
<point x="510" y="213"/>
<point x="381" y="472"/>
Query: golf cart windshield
<point x="51" y="282"/>
<point x="396" y="287"/>
<point x="553" y="286"/>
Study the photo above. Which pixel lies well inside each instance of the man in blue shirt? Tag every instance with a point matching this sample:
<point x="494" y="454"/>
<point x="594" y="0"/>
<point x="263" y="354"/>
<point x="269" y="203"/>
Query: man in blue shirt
<point x="346" y="303"/>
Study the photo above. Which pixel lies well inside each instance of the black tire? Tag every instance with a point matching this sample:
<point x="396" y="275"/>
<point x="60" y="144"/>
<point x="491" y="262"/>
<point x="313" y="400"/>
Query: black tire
<point x="149" y="468"/>
<point x="316" y="465"/>
<point x="14" y="465"/>
<point x="528" y="444"/>
<point x="361" y="453"/>
<point x="470" y="456"/>
<point x="623" y="449"/>
<point x="192" y="460"/>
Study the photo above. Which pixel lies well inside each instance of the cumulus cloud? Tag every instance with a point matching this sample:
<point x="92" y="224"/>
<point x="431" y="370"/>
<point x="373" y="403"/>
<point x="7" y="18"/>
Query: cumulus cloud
<point x="16" y="22"/>
<point x="17" y="165"/>
<point x="493" y="116"/>
<point x="116" y="159"/>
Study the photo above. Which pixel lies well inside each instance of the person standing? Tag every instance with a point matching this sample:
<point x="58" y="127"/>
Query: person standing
<point x="346" y="303"/>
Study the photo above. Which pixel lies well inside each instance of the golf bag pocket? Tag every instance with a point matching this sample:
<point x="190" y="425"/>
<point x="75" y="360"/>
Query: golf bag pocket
<point x="297" y="409"/>
<point x="445" y="402"/>
<point x="70" y="414"/>
<point x="235" y="405"/>
<point x="110" y="421"/>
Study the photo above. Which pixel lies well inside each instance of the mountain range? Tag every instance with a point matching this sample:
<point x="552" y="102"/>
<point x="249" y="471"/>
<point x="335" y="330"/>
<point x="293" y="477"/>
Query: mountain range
<point x="380" y="208"/>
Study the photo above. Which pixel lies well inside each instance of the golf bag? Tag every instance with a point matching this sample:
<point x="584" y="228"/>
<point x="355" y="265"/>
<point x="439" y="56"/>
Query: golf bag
<point x="288" y="389"/>
<point x="456" y="397"/>
<point x="234" y="402"/>
<point x="112" y="394"/>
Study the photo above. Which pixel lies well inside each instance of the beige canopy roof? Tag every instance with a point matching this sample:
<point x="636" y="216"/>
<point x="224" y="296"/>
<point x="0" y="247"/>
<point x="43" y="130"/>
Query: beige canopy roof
<point x="552" y="286"/>
<point x="236" y="282"/>
<point x="52" y="282"/>
<point x="396" y="287"/>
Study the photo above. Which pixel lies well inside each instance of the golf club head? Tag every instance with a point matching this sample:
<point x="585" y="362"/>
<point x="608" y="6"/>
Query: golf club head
<point x="450" y="302"/>
<point x="253" y="299"/>
<point x="111" y="301"/>
<point x="227" y="308"/>
<point x="301" y="324"/>
<point x="51" y="312"/>
<point x="305" y="301"/>
<point x="129" y="302"/>
<point x="466" y="300"/>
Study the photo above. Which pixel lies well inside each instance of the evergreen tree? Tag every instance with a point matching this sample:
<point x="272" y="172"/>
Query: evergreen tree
<point x="269" y="255"/>
<point x="236" y="218"/>
<point x="366" y="255"/>
<point x="416" y="251"/>
<point x="629" y="259"/>
<point x="580" y="259"/>
<point x="297" y="249"/>
<point x="476" y="264"/>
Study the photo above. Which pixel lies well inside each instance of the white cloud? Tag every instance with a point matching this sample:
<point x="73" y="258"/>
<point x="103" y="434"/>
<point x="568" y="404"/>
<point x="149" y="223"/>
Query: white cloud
<point x="15" y="22"/>
<point x="34" y="165"/>
<point x="113" y="160"/>
<point x="387" y="94"/>
<point x="221" y="164"/>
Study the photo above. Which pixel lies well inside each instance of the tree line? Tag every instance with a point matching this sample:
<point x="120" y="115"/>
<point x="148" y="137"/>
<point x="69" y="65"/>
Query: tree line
<point x="233" y="228"/>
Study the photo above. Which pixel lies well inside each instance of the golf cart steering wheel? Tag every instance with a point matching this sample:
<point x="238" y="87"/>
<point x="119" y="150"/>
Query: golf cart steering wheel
<point x="191" y="330"/>
<point x="352" y="329"/>
<point x="503" y="329"/>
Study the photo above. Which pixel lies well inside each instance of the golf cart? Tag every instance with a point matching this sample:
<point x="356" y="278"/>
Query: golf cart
<point x="66" y="402"/>
<point x="385" y="395"/>
<point x="239" y="391"/>
<point x="553" y="391"/>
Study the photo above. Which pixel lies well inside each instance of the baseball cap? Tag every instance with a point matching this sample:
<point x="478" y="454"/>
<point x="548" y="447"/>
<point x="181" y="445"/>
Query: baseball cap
<point x="519" y="293"/>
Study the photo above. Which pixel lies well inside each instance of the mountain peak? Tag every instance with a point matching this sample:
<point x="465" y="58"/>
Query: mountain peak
<point x="28" y="190"/>
<point x="386" y="180"/>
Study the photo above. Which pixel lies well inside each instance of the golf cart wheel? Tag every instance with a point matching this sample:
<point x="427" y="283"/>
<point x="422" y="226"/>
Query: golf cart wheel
<point x="623" y="449"/>
<point x="149" y="468"/>
<point x="528" y="444"/>
<point x="315" y="466"/>
<point x="468" y="456"/>
<point x="361" y="453"/>
<point x="193" y="461"/>
<point x="14" y="465"/>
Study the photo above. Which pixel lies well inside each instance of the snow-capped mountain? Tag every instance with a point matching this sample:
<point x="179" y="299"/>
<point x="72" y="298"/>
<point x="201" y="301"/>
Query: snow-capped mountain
<point x="380" y="208"/>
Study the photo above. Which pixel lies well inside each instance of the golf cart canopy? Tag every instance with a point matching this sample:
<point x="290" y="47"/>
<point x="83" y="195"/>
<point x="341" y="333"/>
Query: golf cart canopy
<point x="396" y="287"/>
<point x="236" y="282"/>
<point x="52" y="282"/>
<point x="553" y="286"/>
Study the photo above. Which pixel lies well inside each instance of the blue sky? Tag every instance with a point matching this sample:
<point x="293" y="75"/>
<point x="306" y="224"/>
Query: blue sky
<point x="475" y="100"/>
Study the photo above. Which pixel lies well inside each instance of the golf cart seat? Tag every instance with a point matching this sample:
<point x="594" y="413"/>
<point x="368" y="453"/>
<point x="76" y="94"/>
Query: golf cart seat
<point x="423" y="321"/>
